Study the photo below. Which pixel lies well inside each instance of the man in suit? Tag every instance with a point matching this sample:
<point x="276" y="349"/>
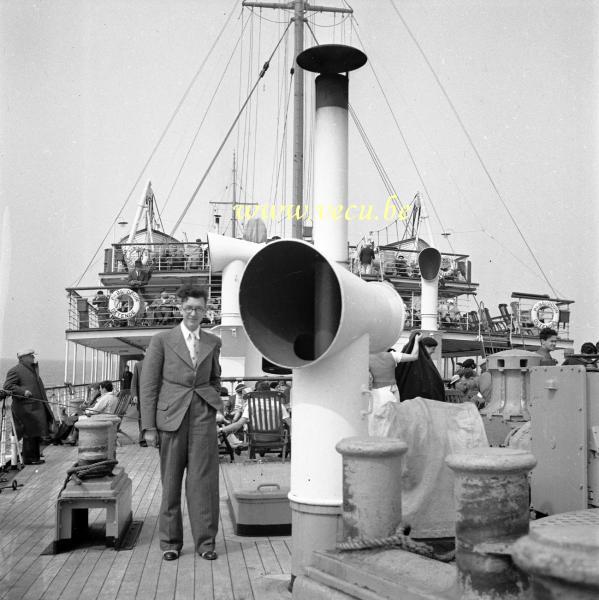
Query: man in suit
<point x="31" y="412"/>
<point x="138" y="277"/>
<point x="180" y="396"/>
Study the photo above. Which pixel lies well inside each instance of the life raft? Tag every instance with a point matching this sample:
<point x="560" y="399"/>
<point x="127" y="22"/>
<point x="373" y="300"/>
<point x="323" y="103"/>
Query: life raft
<point x="117" y="297"/>
<point x="545" y="304"/>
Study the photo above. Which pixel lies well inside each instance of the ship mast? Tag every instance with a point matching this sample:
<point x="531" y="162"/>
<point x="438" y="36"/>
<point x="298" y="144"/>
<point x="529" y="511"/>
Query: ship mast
<point x="299" y="9"/>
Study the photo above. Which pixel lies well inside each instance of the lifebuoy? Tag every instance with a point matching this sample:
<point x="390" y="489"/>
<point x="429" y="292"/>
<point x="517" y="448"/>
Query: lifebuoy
<point x="534" y="314"/>
<point x="116" y="298"/>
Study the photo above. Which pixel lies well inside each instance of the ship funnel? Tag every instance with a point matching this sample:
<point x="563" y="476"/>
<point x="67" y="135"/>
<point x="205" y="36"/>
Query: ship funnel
<point x="299" y="308"/>
<point x="429" y="261"/>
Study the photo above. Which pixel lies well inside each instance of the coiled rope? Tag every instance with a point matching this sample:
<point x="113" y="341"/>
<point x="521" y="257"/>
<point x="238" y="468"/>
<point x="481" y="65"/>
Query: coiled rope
<point x="402" y="540"/>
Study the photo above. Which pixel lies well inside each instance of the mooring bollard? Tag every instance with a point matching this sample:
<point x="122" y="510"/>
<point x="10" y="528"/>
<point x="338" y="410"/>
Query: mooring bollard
<point x="112" y="431"/>
<point x="93" y="440"/>
<point x="561" y="555"/>
<point x="491" y="493"/>
<point x="371" y="486"/>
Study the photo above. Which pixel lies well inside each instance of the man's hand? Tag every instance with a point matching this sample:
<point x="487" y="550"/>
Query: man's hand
<point x="27" y="394"/>
<point x="151" y="437"/>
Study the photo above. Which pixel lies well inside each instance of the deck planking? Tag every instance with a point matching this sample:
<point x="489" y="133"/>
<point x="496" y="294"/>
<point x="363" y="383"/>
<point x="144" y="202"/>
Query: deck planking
<point x="256" y="568"/>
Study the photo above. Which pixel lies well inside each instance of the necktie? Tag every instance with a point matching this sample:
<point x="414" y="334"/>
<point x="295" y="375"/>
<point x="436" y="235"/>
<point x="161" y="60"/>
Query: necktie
<point x="195" y="349"/>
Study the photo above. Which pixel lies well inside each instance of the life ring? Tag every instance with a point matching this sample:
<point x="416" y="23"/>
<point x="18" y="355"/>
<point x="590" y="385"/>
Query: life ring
<point x="116" y="298"/>
<point x="447" y="267"/>
<point x="534" y="314"/>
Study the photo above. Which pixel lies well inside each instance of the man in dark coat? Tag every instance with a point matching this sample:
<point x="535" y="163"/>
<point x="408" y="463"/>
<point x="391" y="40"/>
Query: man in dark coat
<point x="30" y="409"/>
<point x="126" y="379"/>
<point x="136" y="393"/>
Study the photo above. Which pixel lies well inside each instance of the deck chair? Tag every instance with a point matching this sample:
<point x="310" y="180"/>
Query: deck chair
<point x="266" y="428"/>
<point x="496" y="324"/>
<point x="121" y="410"/>
<point x="507" y="318"/>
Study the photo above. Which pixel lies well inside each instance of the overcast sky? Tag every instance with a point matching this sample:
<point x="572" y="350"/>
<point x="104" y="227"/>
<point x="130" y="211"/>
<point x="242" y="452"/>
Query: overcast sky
<point x="89" y="86"/>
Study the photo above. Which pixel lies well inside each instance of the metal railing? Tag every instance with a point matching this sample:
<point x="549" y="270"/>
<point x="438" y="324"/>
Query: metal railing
<point x="88" y="309"/>
<point x="181" y="256"/>
<point x="391" y="262"/>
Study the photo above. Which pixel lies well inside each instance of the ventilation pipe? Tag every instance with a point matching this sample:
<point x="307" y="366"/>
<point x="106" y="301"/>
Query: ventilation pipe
<point x="230" y="256"/>
<point x="304" y="312"/>
<point x="429" y="261"/>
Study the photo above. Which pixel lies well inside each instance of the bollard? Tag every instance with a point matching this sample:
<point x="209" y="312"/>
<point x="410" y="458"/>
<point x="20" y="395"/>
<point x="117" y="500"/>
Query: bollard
<point x="371" y="486"/>
<point x="561" y="555"/>
<point x="491" y="494"/>
<point x="93" y="440"/>
<point x="112" y="431"/>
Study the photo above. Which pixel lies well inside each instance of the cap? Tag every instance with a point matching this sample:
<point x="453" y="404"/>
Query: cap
<point x="429" y="341"/>
<point x="468" y="364"/>
<point x="240" y="386"/>
<point x="25" y="352"/>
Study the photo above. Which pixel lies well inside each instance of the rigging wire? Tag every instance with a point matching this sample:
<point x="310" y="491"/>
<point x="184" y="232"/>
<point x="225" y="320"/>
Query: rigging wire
<point x="256" y="115"/>
<point x="262" y="17"/>
<point x="160" y="139"/>
<point x="373" y="155"/>
<point x="401" y="133"/>
<point x="197" y="132"/>
<point x="260" y="76"/>
<point x="244" y="168"/>
<point x="282" y="151"/>
<point x="475" y="149"/>
<point x="375" y="159"/>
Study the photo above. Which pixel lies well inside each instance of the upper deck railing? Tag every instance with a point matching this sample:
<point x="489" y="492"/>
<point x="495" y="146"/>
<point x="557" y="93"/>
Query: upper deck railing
<point x="392" y="263"/>
<point x="184" y="256"/>
<point x="148" y="306"/>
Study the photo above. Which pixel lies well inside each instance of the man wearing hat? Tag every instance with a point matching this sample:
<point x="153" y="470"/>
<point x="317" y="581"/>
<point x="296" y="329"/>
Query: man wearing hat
<point x="30" y="409"/>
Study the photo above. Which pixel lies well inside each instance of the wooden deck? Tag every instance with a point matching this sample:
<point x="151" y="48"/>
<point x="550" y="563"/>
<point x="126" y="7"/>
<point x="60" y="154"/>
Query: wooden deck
<point x="247" y="568"/>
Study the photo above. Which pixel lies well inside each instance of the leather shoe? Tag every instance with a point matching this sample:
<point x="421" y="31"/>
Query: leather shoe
<point x="170" y="555"/>
<point x="209" y="555"/>
<point x="143" y="444"/>
<point x="35" y="462"/>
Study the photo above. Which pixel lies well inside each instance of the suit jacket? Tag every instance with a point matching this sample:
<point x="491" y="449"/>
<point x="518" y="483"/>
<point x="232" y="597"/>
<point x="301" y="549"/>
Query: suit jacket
<point x="139" y="275"/>
<point x="169" y="383"/>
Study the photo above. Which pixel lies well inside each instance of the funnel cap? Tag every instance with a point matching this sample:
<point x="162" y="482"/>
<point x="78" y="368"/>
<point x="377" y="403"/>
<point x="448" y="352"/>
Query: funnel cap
<point x="330" y="59"/>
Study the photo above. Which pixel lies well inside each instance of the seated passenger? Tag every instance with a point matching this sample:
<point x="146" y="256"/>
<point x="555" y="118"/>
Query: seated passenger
<point x="107" y="402"/>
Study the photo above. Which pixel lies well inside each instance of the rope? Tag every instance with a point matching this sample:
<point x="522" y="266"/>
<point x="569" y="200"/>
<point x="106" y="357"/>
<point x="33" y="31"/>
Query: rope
<point x="471" y="142"/>
<point x="401" y="133"/>
<point x="162" y="135"/>
<point x="197" y="132"/>
<point x="78" y="473"/>
<point x="91" y="410"/>
<point x="260" y="76"/>
<point x="400" y="540"/>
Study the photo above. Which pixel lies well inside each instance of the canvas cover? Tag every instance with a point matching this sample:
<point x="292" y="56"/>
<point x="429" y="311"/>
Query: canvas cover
<point x="432" y="430"/>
